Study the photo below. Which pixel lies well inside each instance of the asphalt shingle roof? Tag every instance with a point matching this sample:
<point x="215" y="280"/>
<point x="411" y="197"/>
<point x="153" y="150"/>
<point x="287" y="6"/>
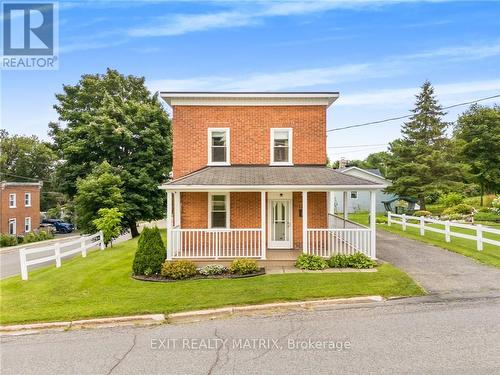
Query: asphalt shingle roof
<point x="269" y="175"/>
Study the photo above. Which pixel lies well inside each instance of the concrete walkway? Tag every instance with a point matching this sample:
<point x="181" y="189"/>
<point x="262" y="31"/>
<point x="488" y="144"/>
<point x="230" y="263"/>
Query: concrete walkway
<point x="437" y="270"/>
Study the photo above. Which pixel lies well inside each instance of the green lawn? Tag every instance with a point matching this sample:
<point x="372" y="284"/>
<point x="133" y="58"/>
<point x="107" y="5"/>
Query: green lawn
<point x="489" y="255"/>
<point x="100" y="285"/>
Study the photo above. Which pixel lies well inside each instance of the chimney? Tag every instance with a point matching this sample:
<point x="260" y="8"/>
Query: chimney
<point x="342" y="163"/>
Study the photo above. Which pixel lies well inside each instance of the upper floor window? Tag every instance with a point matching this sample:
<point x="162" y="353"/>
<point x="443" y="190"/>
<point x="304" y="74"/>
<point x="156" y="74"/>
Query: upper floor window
<point x="12" y="200"/>
<point x="218" y="211"/>
<point x="281" y="146"/>
<point x="27" y="199"/>
<point x="218" y="146"/>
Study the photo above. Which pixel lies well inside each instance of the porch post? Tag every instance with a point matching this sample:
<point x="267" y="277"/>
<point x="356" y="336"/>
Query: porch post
<point x="344" y="207"/>
<point x="263" y="224"/>
<point x="177" y="209"/>
<point x="169" y="225"/>
<point x="373" y="223"/>
<point x="304" y="222"/>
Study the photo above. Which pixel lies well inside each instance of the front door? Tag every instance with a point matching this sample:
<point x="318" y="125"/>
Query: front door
<point x="280" y="228"/>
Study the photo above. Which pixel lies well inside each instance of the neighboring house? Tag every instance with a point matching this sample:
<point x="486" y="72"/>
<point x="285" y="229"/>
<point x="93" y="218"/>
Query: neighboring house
<point x="250" y="179"/>
<point x="358" y="200"/>
<point x="19" y="207"/>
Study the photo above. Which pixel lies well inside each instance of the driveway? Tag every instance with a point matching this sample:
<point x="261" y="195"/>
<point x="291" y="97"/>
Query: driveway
<point x="437" y="270"/>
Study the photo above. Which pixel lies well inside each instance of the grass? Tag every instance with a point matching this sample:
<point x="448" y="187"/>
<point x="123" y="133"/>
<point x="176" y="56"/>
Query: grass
<point x="100" y="285"/>
<point x="490" y="254"/>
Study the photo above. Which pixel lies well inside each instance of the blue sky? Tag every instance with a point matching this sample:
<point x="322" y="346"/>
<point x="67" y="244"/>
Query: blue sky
<point x="376" y="53"/>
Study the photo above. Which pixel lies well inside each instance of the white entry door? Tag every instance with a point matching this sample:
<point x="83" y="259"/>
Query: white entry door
<point x="280" y="226"/>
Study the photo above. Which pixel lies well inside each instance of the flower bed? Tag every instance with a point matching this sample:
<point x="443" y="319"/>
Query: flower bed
<point x="227" y="275"/>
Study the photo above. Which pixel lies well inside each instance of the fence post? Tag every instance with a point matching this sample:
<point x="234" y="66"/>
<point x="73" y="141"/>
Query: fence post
<point x="57" y="250"/>
<point x="24" y="266"/>
<point x="403" y="221"/>
<point x="479" y="237"/>
<point x="82" y="247"/>
<point x="447" y="231"/>
<point x="389" y="218"/>
<point x="101" y="239"/>
<point x="422" y="226"/>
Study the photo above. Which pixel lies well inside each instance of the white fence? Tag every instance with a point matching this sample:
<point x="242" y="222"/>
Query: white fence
<point x="328" y="242"/>
<point x="59" y="250"/>
<point x="448" y="233"/>
<point x="216" y="243"/>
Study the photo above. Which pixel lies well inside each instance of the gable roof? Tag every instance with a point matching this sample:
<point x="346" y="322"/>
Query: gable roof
<point x="370" y="173"/>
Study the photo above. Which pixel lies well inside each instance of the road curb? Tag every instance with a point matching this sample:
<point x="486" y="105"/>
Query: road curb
<point x="183" y="317"/>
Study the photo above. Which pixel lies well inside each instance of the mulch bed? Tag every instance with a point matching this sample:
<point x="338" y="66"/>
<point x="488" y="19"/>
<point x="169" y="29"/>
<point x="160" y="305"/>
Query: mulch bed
<point x="159" y="278"/>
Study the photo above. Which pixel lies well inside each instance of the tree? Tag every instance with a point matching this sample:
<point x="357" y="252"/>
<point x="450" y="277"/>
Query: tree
<point x="477" y="133"/>
<point x="420" y="161"/>
<point x="377" y="160"/>
<point x="150" y="253"/>
<point x="100" y="189"/>
<point x="109" y="221"/>
<point x="115" y="118"/>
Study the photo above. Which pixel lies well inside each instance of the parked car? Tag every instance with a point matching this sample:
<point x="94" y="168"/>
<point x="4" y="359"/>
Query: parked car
<point x="61" y="226"/>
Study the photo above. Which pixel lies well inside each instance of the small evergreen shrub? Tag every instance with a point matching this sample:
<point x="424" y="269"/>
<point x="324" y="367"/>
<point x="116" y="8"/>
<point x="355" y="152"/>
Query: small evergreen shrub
<point x="310" y="262"/>
<point x="7" y="240"/>
<point x="243" y="266"/>
<point x="462" y="209"/>
<point x="30" y="237"/>
<point x="360" y="260"/>
<point x="422" y="213"/>
<point x="179" y="269"/>
<point x="212" y="269"/>
<point x="150" y="253"/>
<point x="338" y="261"/>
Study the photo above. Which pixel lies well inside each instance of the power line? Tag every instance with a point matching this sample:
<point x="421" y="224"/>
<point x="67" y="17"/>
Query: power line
<point x="407" y="116"/>
<point x="355" y="146"/>
<point x="29" y="178"/>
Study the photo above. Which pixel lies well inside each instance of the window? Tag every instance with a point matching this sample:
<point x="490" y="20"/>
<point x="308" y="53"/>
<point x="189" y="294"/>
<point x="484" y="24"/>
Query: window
<point x="12" y="200"/>
<point x="218" y="211"/>
<point x="281" y="146"/>
<point x="12" y="226"/>
<point x="27" y="224"/>
<point x="354" y="195"/>
<point x="218" y="146"/>
<point x="27" y="199"/>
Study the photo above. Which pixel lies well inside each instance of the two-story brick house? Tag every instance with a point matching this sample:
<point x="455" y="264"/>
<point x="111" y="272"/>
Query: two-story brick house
<point x="250" y="178"/>
<point x="19" y="207"/>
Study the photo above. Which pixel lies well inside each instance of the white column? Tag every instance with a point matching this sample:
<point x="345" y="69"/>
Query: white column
<point x="263" y="224"/>
<point x="328" y="208"/>
<point x="169" y="225"/>
<point x="304" y="222"/>
<point x="373" y="223"/>
<point x="344" y="208"/>
<point x="177" y="209"/>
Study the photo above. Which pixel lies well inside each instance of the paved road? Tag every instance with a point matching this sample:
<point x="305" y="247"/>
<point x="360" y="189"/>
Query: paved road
<point x="413" y="336"/>
<point x="437" y="270"/>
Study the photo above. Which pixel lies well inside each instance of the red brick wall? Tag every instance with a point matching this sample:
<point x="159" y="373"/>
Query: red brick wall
<point x="245" y="210"/>
<point x="20" y="212"/>
<point x="317" y="214"/>
<point x="194" y="210"/>
<point x="250" y="133"/>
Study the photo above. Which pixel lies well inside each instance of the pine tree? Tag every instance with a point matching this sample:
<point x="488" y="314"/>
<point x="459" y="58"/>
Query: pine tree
<point x="421" y="161"/>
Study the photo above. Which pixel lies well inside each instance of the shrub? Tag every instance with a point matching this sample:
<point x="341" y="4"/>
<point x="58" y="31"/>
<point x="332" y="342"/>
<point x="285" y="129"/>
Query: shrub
<point x="487" y="216"/>
<point x="338" y="261"/>
<point x="381" y="220"/>
<point x="179" y="269"/>
<point x="150" y="253"/>
<point x="310" y="262"/>
<point x="30" y="237"/>
<point x="360" y="260"/>
<point x="7" y="240"/>
<point x="463" y="209"/>
<point x="432" y="197"/>
<point x="422" y="213"/>
<point x="212" y="269"/>
<point x="451" y="199"/>
<point x="243" y="266"/>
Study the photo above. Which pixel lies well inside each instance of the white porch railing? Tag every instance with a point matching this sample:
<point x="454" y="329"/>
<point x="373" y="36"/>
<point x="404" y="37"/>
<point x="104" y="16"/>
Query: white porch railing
<point x="328" y="242"/>
<point x="216" y="243"/>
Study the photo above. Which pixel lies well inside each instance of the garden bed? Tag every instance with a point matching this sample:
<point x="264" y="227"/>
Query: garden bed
<point x="159" y="278"/>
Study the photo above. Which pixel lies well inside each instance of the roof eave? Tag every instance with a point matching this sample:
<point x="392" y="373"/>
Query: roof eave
<point x="178" y="187"/>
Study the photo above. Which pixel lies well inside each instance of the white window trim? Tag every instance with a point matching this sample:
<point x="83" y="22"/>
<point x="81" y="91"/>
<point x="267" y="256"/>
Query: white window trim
<point x="290" y="146"/>
<point x="228" y="216"/>
<point x="27" y="195"/>
<point x="15" y="226"/>
<point x="10" y="200"/>
<point x="353" y="191"/>
<point x="27" y="223"/>
<point x="228" y="146"/>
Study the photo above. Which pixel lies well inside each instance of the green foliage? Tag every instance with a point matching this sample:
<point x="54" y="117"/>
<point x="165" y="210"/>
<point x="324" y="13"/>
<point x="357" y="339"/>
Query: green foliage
<point x="357" y="260"/>
<point x="243" y="266"/>
<point x="179" y="269"/>
<point x="54" y="212"/>
<point x="451" y="199"/>
<point x="310" y="262"/>
<point x="114" y="118"/>
<point x="30" y="237"/>
<point x="381" y="220"/>
<point x="421" y="161"/>
<point x="150" y="253"/>
<point x="7" y="240"/>
<point x="212" y="269"/>
<point x="487" y="216"/>
<point x="100" y="189"/>
<point x="422" y="213"/>
<point x="462" y="209"/>
<point x="477" y="134"/>
<point x="43" y="235"/>
<point x="109" y="222"/>
<point x="476" y="201"/>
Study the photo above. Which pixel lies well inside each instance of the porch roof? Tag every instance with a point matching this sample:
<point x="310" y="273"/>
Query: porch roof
<point x="259" y="177"/>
